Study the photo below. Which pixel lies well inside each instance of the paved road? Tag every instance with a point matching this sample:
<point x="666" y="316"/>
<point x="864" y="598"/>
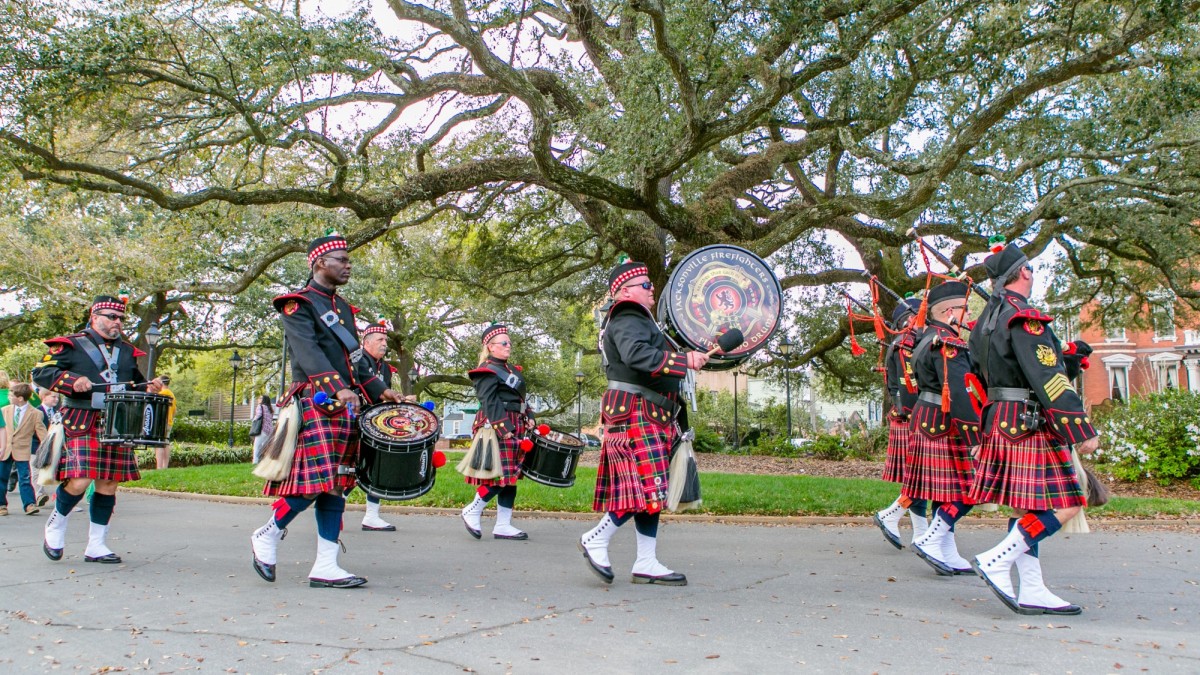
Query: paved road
<point x="762" y="600"/>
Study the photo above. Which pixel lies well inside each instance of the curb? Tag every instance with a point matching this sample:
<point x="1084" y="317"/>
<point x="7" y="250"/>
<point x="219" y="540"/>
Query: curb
<point x="766" y="521"/>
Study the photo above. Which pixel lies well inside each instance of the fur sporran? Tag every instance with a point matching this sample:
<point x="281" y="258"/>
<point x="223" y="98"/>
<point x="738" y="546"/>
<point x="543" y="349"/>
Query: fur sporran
<point x="277" y="453"/>
<point x="49" y="455"/>
<point x="483" y="459"/>
<point x="683" y="486"/>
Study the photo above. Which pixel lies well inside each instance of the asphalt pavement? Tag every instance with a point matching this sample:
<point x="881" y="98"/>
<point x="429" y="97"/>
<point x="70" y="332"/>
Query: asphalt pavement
<point x="761" y="599"/>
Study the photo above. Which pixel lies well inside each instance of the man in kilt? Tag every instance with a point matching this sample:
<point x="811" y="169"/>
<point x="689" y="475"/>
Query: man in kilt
<point x="639" y="415"/>
<point x="1032" y="417"/>
<point x="944" y="428"/>
<point x="902" y="394"/>
<point x="500" y="387"/>
<point x="82" y="368"/>
<point x="374" y="346"/>
<point x="329" y="374"/>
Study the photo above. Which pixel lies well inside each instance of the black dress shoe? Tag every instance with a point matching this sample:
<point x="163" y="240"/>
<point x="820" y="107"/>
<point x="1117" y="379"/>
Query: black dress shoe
<point x="1065" y="610"/>
<point x="520" y="536"/>
<point x="348" y="582"/>
<point x="267" y="572"/>
<point x="887" y="534"/>
<point x="938" y="566"/>
<point x="51" y="553"/>
<point x="1009" y="601"/>
<point x="472" y="531"/>
<point x="605" y="573"/>
<point x="389" y="528"/>
<point x="672" y="579"/>
<point x="110" y="559"/>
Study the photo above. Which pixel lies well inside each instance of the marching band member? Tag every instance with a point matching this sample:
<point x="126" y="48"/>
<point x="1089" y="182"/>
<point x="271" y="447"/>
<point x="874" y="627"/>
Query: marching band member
<point x="329" y="374"/>
<point x="500" y="387"/>
<point x="82" y="368"/>
<point x="1033" y="414"/>
<point x="374" y="345"/>
<point x="639" y="415"/>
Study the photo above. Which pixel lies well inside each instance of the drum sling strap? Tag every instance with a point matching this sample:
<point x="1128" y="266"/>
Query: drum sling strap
<point x="329" y="319"/>
<point x="511" y="380"/>
<point x="106" y="366"/>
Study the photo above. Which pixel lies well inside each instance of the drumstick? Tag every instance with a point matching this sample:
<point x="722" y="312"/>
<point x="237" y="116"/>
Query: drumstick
<point x="728" y="341"/>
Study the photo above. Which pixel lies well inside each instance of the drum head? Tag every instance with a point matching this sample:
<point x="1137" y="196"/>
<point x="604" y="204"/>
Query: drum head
<point x="404" y="424"/>
<point x="717" y="288"/>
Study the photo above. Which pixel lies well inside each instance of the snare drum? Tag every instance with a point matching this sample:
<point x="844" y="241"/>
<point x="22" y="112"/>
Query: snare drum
<point x="553" y="459"/>
<point x="135" y="418"/>
<point x="717" y="288"/>
<point x="395" y="455"/>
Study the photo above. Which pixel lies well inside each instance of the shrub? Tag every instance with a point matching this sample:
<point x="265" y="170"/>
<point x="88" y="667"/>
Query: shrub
<point x="1157" y="436"/>
<point x="209" y="432"/>
<point x="188" y="454"/>
<point x="868" y="443"/>
<point x="776" y="446"/>
<point x="708" y="440"/>
<point x="827" y="447"/>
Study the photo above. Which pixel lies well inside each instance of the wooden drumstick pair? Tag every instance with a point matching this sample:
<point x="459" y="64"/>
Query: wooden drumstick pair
<point x="728" y="341"/>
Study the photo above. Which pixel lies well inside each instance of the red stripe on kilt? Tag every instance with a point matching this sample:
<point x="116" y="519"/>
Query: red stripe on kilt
<point x="1032" y="474"/>
<point x="897" y="448"/>
<point x="938" y="469"/>
<point x="511" y="454"/>
<point x="633" y="465"/>
<point x="85" y="457"/>
<point x="324" y="443"/>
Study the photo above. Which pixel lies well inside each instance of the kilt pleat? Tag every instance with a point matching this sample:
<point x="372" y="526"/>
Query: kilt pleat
<point x="511" y="454"/>
<point x="324" y="443"/>
<point x="938" y="469"/>
<point x="634" y="462"/>
<point x="85" y="456"/>
<point x="897" y="449"/>
<point x="1032" y="473"/>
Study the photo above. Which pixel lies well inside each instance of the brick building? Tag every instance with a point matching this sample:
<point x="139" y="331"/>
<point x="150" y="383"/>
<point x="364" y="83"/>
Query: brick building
<point x="1139" y="361"/>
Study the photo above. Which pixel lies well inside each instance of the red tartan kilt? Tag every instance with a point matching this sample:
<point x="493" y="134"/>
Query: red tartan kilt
<point x="897" y="449"/>
<point x="634" y="462"/>
<point x="511" y="454"/>
<point x="938" y="469"/>
<point x="1033" y="474"/>
<point x="85" y="457"/>
<point x="324" y="443"/>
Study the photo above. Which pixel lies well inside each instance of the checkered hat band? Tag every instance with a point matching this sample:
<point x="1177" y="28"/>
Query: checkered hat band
<point x="327" y="247"/>
<point x="375" y="328"/>
<point x="487" y="337"/>
<point x="115" y="306"/>
<point x="626" y="276"/>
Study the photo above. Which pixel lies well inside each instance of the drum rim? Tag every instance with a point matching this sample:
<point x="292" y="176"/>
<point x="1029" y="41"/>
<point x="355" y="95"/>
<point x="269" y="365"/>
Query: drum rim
<point x="719" y="361"/>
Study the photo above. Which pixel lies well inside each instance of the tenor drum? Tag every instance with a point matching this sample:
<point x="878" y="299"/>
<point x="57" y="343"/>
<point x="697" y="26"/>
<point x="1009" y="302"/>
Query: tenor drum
<point x="395" y="455"/>
<point x="553" y="459"/>
<point x="717" y="288"/>
<point x="135" y="418"/>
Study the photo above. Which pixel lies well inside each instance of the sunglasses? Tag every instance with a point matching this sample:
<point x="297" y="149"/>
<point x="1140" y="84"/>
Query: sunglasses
<point x="647" y="285"/>
<point x="112" y="317"/>
<point x="506" y="343"/>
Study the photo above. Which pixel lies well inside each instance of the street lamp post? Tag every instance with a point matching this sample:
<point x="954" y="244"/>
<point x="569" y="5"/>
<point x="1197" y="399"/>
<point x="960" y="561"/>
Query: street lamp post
<point x="234" y="361"/>
<point x="737" y="437"/>
<point x="785" y="350"/>
<point x="579" y="404"/>
<point x="153" y="337"/>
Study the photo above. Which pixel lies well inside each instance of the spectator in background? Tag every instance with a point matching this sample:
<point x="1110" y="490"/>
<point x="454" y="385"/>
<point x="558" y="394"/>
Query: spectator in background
<point x="162" y="454"/>
<point x="268" y="426"/>
<point x="22" y="422"/>
<point x="48" y="408"/>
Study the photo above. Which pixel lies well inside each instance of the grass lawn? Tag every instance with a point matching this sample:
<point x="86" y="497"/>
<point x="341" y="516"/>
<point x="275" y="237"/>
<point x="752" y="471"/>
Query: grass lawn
<point x="724" y="494"/>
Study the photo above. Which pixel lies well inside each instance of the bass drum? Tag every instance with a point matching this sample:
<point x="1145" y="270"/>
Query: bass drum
<point x="717" y="288"/>
<point x="395" y="454"/>
<point x="553" y="459"/>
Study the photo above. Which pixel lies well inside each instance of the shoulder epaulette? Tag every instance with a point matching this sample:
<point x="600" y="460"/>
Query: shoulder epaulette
<point x="280" y="302"/>
<point x="629" y="306"/>
<point x="1030" y="314"/>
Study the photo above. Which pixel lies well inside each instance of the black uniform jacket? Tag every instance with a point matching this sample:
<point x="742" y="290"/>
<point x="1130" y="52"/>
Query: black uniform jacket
<point x="637" y="352"/>
<point x="381" y="369"/>
<point x="1023" y="353"/>
<point x="942" y="357"/>
<point x="320" y="360"/>
<point x="901" y="384"/>
<point x="500" y="387"/>
<point x="67" y="360"/>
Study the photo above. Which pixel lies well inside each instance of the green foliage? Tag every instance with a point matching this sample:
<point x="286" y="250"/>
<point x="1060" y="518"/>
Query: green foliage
<point x="775" y="446"/>
<point x="1156" y="436"/>
<point x="707" y="440"/>
<point x="195" y="454"/>
<point x="209" y="432"/>
<point x="828" y="447"/>
<point x="868" y="443"/>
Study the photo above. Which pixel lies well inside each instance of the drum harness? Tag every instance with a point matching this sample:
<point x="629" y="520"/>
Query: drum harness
<point x="106" y="363"/>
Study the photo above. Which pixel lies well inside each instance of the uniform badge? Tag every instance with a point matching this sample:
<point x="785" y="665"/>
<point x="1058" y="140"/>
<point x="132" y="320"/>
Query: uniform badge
<point x="290" y="307"/>
<point x="1046" y="356"/>
<point x="950" y="352"/>
<point x="46" y="358"/>
<point x="1034" y="327"/>
<point x="56" y="349"/>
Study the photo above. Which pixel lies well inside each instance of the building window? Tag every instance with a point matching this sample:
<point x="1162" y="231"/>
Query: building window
<point x="1114" y="334"/>
<point x="1167" y="374"/>
<point x="1191" y="337"/>
<point x="1118" y="383"/>
<point x="1163" y="317"/>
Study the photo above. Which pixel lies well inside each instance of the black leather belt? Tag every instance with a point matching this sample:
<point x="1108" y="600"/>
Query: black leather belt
<point x="68" y="402"/>
<point x="1009" y="394"/>
<point x="930" y="397"/>
<point x="648" y="394"/>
